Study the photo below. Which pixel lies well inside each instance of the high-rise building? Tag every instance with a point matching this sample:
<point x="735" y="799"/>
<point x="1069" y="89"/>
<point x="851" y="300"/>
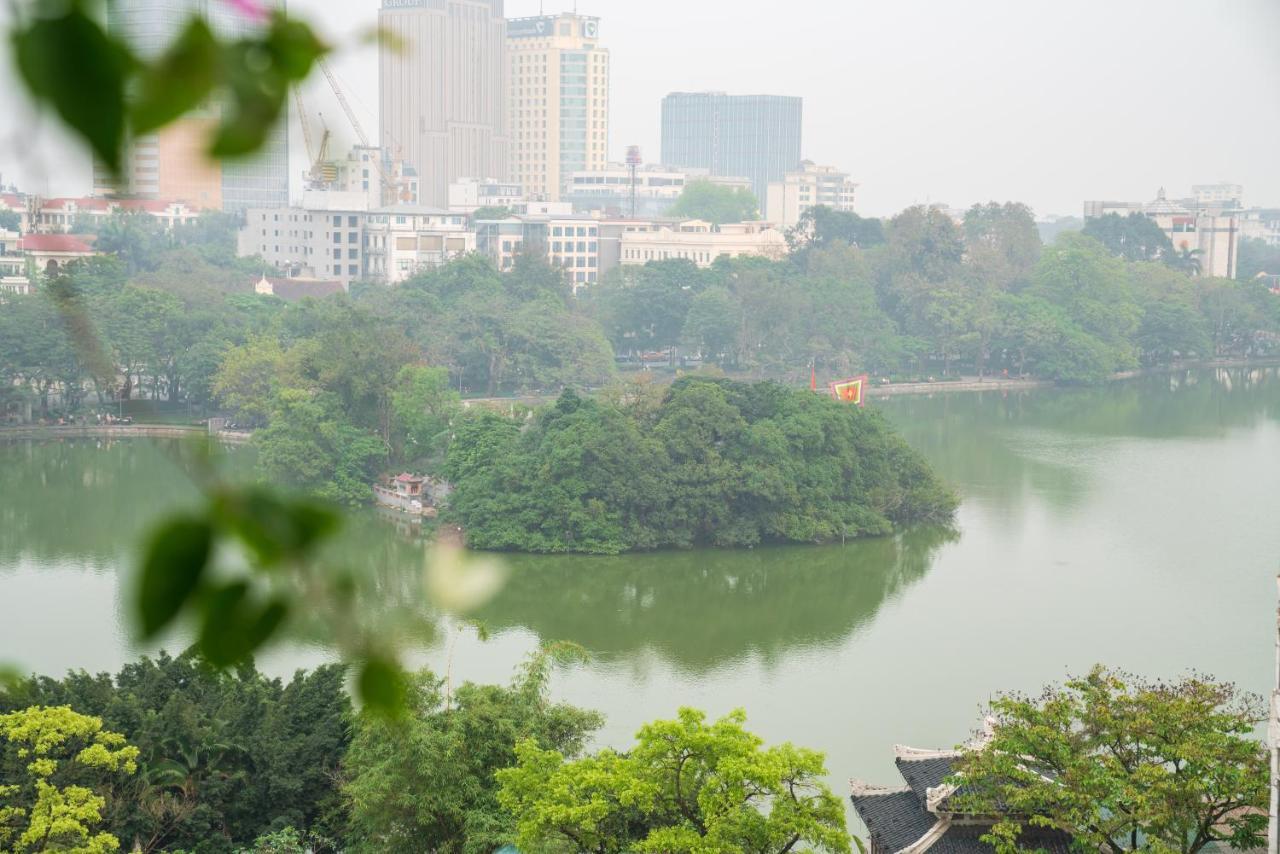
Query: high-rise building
<point x="559" y="100"/>
<point x="172" y="163"/>
<point x="443" y="90"/>
<point x="756" y="136"/>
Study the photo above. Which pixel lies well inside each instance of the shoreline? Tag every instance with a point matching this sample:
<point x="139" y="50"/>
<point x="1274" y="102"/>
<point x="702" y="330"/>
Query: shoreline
<point x="1001" y="384"/>
<point x="119" y="431"/>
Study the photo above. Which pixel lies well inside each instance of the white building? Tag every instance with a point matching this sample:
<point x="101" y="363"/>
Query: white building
<point x="60" y="215"/>
<point x="1218" y="195"/>
<point x="809" y="186"/>
<point x="700" y="242"/>
<point x="468" y="195"/>
<point x="1216" y="236"/>
<point x="558" y="100"/>
<point x="404" y="239"/>
<point x="569" y="243"/>
<point x="1261" y="224"/>
<point x="312" y="242"/>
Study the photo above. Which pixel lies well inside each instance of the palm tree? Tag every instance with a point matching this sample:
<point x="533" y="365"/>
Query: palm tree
<point x="1185" y="260"/>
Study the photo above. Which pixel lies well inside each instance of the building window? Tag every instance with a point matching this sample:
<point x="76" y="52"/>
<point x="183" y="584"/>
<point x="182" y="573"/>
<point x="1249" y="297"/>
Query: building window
<point x="353" y="270"/>
<point x="353" y="237"/>
<point x="337" y="220"/>
<point x="337" y="254"/>
<point x="353" y="253"/>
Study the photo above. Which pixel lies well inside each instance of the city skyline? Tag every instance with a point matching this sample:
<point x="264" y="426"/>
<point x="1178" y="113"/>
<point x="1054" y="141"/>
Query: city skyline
<point x="955" y="106"/>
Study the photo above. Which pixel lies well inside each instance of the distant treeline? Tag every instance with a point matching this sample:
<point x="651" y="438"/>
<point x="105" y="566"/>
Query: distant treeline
<point x="351" y="385"/>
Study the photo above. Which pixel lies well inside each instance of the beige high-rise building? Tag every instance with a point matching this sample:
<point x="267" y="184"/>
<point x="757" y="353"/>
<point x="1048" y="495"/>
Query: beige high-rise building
<point x="558" y="101"/>
<point x="443" y="90"/>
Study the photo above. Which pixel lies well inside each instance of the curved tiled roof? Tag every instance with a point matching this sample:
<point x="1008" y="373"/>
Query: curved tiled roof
<point x="53" y="243"/>
<point x="894" y="818"/>
<point x="915" y="818"/>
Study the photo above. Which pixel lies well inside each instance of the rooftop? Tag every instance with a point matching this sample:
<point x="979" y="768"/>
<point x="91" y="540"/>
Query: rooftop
<point x="54" y="243"/>
<point x="916" y="817"/>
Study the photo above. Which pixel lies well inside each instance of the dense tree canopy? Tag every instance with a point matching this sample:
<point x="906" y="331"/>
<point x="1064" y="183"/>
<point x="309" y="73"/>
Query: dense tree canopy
<point x="1124" y="765"/>
<point x="715" y="203"/>
<point x="687" y="786"/>
<point x="56" y="769"/>
<point x="427" y="782"/>
<point x="714" y="462"/>
<point x="221" y="757"/>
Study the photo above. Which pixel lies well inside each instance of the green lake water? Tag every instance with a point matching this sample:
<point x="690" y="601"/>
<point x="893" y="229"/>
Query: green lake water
<point x="1136" y="525"/>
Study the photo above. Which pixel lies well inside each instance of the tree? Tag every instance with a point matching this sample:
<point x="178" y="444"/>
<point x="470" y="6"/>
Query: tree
<point x="1172" y="329"/>
<point x="490" y="212"/>
<point x="310" y="445"/>
<point x="426" y="783"/>
<point x="716" y="463"/>
<point x="223" y="757"/>
<point x="822" y="225"/>
<point x="1123" y="765"/>
<point x="1256" y="256"/>
<point x="136" y="238"/>
<point x="715" y="203"/>
<point x="1185" y="260"/>
<point x="712" y="323"/>
<point x="1135" y="237"/>
<point x="686" y="786"/>
<point x="1002" y="243"/>
<point x="423" y="404"/>
<point x="49" y="755"/>
<point x="248" y="378"/>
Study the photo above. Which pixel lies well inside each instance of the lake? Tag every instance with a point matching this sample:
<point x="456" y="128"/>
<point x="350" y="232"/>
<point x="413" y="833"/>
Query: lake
<point x="1134" y="524"/>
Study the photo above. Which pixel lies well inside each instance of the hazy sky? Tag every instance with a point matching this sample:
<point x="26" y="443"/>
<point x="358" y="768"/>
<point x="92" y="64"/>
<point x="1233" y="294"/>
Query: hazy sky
<point x="920" y="100"/>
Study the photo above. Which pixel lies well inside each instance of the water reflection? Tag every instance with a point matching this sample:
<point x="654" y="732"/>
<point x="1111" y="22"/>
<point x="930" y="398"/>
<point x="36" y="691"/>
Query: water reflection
<point x="1004" y="449"/>
<point x="700" y="610"/>
<point x="87" y="501"/>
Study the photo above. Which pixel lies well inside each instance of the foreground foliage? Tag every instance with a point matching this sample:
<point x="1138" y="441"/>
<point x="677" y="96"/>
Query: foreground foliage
<point x="703" y="462"/>
<point x="56" y="766"/>
<point x="221" y="757"/>
<point x="426" y="782"/>
<point x="1124" y="765"/>
<point x="687" y="786"/>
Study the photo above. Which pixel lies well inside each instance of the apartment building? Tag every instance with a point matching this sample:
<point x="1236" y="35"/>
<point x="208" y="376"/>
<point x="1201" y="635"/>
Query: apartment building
<point x="558" y="100"/>
<point x="808" y="187"/>
<point x="405" y="239"/>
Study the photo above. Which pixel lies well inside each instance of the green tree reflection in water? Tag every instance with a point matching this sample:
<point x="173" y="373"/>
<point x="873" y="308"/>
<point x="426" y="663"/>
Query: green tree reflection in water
<point x="702" y="609"/>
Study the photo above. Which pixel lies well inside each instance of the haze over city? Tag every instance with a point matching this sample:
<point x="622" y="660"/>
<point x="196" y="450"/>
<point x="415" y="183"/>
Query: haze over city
<point x="955" y="103"/>
<point x="531" y="426"/>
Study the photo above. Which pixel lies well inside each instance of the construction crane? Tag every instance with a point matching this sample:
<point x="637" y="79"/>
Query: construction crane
<point x="390" y="185"/>
<point x="321" y="173"/>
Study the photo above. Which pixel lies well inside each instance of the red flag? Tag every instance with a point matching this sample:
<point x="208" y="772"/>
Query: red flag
<point x="813" y="377"/>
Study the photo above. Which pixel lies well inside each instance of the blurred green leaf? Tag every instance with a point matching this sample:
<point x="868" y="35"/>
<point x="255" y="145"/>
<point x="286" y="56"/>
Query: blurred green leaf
<point x="180" y="80"/>
<point x="175" y="560"/>
<point x="258" y="75"/>
<point x="234" y="626"/>
<point x="276" y="528"/>
<point x="381" y="686"/>
<point x="294" y="48"/>
<point x="70" y="63"/>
